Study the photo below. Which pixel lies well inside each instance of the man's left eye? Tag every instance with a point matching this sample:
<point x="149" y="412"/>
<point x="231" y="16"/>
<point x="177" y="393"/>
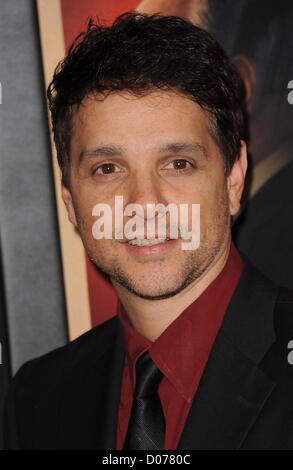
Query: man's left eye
<point x="179" y="164"/>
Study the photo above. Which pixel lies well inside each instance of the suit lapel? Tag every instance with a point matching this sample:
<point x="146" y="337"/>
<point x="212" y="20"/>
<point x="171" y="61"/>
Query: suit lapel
<point x="231" y="394"/>
<point x="111" y="396"/>
<point x="234" y="389"/>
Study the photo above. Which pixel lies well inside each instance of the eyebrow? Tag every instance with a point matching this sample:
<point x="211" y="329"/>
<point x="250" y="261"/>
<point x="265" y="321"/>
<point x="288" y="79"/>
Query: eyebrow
<point x="189" y="147"/>
<point x="102" y="151"/>
<point x="169" y="147"/>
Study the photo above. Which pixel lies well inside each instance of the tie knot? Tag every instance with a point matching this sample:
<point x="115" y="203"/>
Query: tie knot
<point x="148" y="376"/>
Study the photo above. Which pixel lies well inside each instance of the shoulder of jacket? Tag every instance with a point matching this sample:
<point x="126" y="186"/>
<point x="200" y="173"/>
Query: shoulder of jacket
<point x="54" y="364"/>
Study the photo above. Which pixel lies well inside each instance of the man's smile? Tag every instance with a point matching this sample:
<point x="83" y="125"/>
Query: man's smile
<point x="149" y="247"/>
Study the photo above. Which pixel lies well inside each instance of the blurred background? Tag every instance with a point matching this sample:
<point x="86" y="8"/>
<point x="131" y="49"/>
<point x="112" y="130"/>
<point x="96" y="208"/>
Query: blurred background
<point x="50" y="293"/>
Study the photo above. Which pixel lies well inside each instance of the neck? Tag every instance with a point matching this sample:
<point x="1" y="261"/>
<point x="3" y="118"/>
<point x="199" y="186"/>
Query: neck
<point x="151" y="317"/>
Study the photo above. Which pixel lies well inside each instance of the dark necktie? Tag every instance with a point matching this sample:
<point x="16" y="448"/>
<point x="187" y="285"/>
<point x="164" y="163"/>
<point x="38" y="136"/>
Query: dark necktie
<point x="146" y="429"/>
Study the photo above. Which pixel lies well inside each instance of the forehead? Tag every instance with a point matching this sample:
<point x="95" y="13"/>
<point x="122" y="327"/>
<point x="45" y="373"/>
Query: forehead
<point x="138" y="119"/>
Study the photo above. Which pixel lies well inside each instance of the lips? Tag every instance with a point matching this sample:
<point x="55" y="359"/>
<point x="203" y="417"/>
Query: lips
<point x="147" y="241"/>
<point x="157" y="248"/>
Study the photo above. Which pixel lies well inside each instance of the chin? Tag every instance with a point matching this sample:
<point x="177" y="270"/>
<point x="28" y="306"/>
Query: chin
<point x="155" y="289"/>
<point x="155" y="294"/>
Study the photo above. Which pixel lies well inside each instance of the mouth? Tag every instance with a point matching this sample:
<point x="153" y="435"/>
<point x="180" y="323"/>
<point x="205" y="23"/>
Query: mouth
<point x="143" y="247"/>
<point x="147" y="242"/>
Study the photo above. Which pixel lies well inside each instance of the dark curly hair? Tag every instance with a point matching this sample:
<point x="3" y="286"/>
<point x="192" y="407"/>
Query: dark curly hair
<point x="139" y="53"/>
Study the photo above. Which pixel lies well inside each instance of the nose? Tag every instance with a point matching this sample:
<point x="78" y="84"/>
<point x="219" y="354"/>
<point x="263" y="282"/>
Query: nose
<point x="143" y="190"/>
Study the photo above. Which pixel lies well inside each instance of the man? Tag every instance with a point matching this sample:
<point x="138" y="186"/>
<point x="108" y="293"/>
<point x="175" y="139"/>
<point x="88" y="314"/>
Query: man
<point x="149" y="110"/>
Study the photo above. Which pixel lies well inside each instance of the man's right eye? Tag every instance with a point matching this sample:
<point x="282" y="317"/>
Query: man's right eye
<point x="105" y="169"/>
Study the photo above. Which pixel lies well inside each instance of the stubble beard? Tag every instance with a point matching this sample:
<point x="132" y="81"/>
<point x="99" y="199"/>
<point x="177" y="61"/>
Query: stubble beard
<point x="194" y="265"/>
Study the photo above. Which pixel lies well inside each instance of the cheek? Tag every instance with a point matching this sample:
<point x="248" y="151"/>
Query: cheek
<point x="83" y="205"/>
<point x="85" y="221"/>
<point x="214" y="203"/>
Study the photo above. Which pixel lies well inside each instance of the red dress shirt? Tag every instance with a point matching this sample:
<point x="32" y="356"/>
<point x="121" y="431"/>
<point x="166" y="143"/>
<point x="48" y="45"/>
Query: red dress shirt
<point x="180" y="352"/>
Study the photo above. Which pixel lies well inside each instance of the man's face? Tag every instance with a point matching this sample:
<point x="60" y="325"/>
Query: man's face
<point x="139" y="159"/>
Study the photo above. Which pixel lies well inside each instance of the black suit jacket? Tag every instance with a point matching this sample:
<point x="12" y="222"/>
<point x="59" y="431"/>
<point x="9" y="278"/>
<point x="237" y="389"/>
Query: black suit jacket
<point x="68" y="399"/>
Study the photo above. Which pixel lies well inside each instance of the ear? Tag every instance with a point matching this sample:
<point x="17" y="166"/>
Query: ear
<point x="236" y="179"/>
<point x="246" y="69"/>
<point x="67" y="199"/>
